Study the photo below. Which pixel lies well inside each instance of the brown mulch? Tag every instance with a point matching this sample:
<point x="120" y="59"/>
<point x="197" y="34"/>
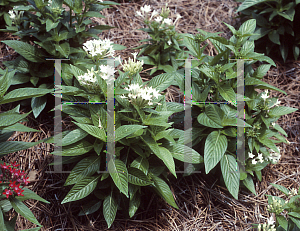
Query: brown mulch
<point x="204" y="205"/>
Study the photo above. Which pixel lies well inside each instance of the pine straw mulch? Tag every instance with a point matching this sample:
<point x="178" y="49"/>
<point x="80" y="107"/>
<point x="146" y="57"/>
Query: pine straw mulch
<point x="204" y="205"/>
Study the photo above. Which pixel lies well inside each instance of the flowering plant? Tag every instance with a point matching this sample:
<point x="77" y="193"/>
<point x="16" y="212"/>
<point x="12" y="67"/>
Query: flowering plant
<point x="57" y="33"/>
<point x="13" y="192"/>
<point x="286" y="211"/>
<point x="166" y="45"/>
<point x="214" y="88"/>
<point x="145" y="145"/>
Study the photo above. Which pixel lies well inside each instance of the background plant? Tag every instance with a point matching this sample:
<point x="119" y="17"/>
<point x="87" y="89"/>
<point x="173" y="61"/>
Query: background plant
<point x="13" y="192"/>
<point x="5" y="7"/>
<point x="286" y="211"/>
<point x="214" y="79"/>
<point x="165" y="44"/>
<point x="47" y="30"/>
<point x="278" y="29"/>
<point x="145" y="145"/>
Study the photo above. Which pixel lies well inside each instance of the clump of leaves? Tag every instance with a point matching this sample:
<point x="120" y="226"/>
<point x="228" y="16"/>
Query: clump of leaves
<point x="278" y="29"/>
<point x="145" y="144"/>
<point x="214" y="107"/>
<point x="286" y="211"/>
<point x="50" y="30"/>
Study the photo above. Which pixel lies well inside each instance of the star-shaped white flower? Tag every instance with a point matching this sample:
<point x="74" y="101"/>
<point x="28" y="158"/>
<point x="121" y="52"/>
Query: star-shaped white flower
<point x="251" y="155"/>
<point x="139" y="13"/>
<point x="260" y="156"/>
<point x="169" y="42"/>
<point x="153" y="14"/>
<point x="271" y="220"/>
<point x="168" y="21"/>
<point x="146" y="8"/>
<point x="254" y="161"/>
<point x="264" y="95"/>
<point x="158" y="19"/>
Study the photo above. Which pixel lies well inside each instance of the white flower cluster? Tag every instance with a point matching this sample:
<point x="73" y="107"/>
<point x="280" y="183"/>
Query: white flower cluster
<point x="141" y="96"/>
<point x="274" y="156"/>
<point x="88" y="78"/>
<point x="269" y="226"/>
<point x="132" y="66"/>
<point x="12" y="14"/>
<point x="259" y="158"/>
<point x="293" y="192"/>
<point x="264" y="95"/>
<point x="159" y="17"/>
<point x="107" y="72"/>
<point x="99" y="48"/>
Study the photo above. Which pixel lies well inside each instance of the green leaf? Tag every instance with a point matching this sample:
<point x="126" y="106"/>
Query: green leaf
<point x="93" y="130"/>
<point x="167" y="158"/>
<point x="215" y="113"/>
<point x="63" y="49"/>
<point x="14" y="146"/>
<point x="161" y="82"/>
<point x="38" y="104"/>
<point x="23" y="210"/>
<point x="296" y="221"/>
<point x="215" y="148"/>
<point x="2" y="220"/>
<point x="29" y="52"/>
<point x="50" y="24"/>
<point x="175" y="107"/>
<point x="86" y="167"/>
<point x="110" y="207"/>
<point x="141" y="164"/>
<point x="90" y="207"/>
<point x="137" y="177"/>
<point x="282" y="221"/>
<point x="278" y="128"/>
<point x="5" y="205"/>
<point x="5" y="81"/>
<point x="28" y="194"/>
<point x="281" y="188"/>
<point x="134" y="204"/>
<point x="179" y="152"/>
<point x="261" y="71"/>
<point x="118" y="172"/>
<point x="126" y="130"/>
<point x="79" y="148"/>
<point x="227" y="93"/>
<point x="281" y="110"/>
<point x="230" y="175"/>
<point x="206" y="121"/>
<point x="284" y="49"/>
<point x="249" y="3"/>
<point x="164" y="190"/>
<point x="248" y="27"/>
<point x="7" y="119"/>
<point x="24" y="93"/>
<point x="261" y="84"/>
<point x="74" y="136"/>
<point x="81" y="189"/>
<point x="248" y="182"/>
<point x="274" y="37"/>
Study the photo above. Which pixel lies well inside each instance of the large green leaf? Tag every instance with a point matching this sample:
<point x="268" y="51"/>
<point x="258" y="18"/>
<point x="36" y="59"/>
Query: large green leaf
<point x="23" y="210"/>
<point x="230" y="174"/>
<point x="206" y="121"/>
<point x="260" y="84"/>
<point x="178" y="152"/>
<point x="281" y="110"/>
<point x="74" y="136"/>
<point x="248" y="27"/>
<point x="2" y="220"/>
<point x="215" y="113"/>
<point x="7" y="119"/>
<point x="137" y="177"/>
<point x="86" y="167"/>
<point x="5" y="81"/>
<point x="82" y="189"/>
<point x="90" y="207"/>
<point x="163" y="189"/>
<point x="161" y="82"/>
<point x="29" y="52"/>
<point x="126" y="130"/>
<point x="24" y="93"/>
<point x="215" y="147"/>
<point x="248" y="182"/>
<point x="14" y="146"/>
<point x="118" y="172"/>
<point x="38" y="104"/>
<point x="93" y="130"/>
<point x="227" y="93"/>
<point x="110" y="207"/>
<point x="76" y="149"/>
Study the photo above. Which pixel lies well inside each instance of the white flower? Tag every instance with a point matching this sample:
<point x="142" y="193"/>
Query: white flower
<point x="254" y="161"/>
<point x="123" y="96"/>
<point x="146" y="8"/>
<point x="169" y="42"/>
<point x="12" y="15"/>
<point x="100" y="0"/>
<point x="107" y="71"/>
<point x="277" y="103"/>
<point x="294" y="191"/>
<point x="158" y="19"/>
<point x="139" y="13"/>
<point x="168" y="21"/>
<point x="251" y="155"/>
<point x="260" y="157"/>
<point x="273" y="124"/>
<point x="153" y="14"/>
<point x="98" y="47"/>
<point x="178" y="16"/>
<point x="264" y="95"/>
<point x="271" y="220"/>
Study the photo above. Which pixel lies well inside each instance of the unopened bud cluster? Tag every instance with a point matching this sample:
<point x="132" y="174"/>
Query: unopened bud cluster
<point x="276" y="206"/>
<point x="132" y="66"/>
<point x="14" y="178"/>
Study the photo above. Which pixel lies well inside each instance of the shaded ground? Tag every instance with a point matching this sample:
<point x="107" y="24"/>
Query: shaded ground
<point x="204" y="205"/>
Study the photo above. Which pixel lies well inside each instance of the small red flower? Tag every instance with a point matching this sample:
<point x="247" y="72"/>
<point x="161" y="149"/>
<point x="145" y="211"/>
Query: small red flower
<point x="15" y="164"/>
<point x="25" y="181"/>
<point x="19" y="193"/>
<point x="4" y="166"/>
<point x="7" y="192"/>
<point x="12" y="184"/>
